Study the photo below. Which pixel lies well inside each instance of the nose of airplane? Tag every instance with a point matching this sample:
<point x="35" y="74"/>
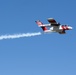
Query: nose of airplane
<point x="70" y="27"/>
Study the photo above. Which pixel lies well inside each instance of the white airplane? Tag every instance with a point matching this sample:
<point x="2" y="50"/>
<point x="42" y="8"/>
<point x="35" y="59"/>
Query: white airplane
<point x="53" y="26"/>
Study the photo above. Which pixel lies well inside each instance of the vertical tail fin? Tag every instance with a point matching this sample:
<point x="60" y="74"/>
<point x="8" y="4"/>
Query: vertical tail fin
<point x="40" y="24"/>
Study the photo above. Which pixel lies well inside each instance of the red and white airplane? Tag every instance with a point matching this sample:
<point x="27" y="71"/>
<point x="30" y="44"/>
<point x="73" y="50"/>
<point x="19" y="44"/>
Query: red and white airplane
<point x="53" y="26"/>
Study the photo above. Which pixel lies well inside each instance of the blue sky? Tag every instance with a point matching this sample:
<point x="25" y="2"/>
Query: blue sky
<point x="47" y="54"/>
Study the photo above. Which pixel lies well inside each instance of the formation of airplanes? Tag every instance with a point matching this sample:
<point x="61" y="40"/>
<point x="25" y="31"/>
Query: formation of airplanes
<point x="53" y="26"/>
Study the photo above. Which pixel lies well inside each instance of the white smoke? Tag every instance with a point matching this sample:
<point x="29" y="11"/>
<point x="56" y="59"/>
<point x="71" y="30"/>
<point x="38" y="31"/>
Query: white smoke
<point x="19" y="35"/>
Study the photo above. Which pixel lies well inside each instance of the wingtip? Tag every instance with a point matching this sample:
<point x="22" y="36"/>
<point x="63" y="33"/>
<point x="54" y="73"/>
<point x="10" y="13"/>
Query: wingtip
<point x="50" y="18"/>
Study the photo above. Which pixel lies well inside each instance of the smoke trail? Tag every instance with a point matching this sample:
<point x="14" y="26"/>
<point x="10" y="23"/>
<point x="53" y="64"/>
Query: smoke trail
<point x="19" y="35"/>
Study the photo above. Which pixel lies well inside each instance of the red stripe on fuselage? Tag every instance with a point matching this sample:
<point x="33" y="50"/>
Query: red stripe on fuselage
<point x="65" y="28"/>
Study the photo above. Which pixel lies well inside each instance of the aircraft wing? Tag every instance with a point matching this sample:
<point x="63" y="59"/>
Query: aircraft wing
<point x="53" y="22"/>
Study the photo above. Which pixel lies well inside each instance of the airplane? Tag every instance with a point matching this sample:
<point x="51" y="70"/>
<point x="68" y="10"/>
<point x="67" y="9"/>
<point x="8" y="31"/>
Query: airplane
<point x="53" y="26"/>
